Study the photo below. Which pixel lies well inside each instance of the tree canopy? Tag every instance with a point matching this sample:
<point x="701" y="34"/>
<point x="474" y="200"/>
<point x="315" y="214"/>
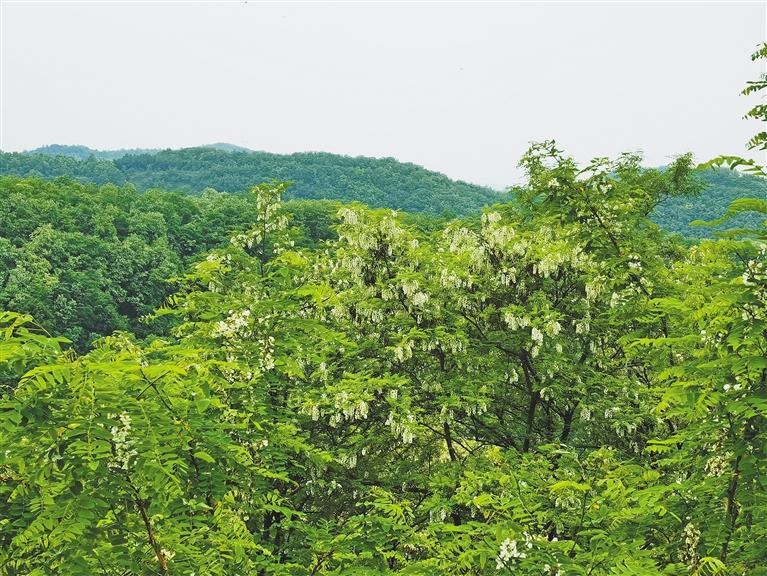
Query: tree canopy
<point x="556" y="387"/>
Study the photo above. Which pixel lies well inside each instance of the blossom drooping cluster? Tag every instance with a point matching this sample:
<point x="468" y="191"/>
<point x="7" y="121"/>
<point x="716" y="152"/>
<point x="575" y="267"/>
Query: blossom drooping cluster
<point x="509" y="551"/>
<point x="402" y="428"/>
<point x="690" y="542"/>
<point x="123" y="445"/>
<point x="236" y="324"/>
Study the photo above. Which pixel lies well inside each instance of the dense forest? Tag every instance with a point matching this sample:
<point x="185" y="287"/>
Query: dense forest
<point x="231" y="383"/>
<point x="84" y="152"/>
<point x="87" y="260"/>
<point x="383" y="183"/>
<point x="693" y="216"/>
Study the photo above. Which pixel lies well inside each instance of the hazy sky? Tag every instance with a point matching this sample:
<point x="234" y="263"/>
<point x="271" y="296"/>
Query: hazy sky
<point x="461" y="88"/>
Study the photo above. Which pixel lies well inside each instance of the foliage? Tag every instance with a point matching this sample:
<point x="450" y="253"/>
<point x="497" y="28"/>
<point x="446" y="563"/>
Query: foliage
<point x="83" y="152"/>
<point x="88" y="260"/>
<point x="530" y="393"/>
<point x="383" y="182"/>
<point x="758" y="112"/>
<point x="556" y="388"/>
<point x="692" y="216"/>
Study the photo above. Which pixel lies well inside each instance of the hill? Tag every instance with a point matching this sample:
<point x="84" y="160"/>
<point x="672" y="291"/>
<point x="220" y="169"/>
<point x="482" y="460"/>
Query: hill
<point x="86" y="260"/>
<point x="722" y="186"/>
<point x="378" y="182"/>
<point x="83" y="152"/>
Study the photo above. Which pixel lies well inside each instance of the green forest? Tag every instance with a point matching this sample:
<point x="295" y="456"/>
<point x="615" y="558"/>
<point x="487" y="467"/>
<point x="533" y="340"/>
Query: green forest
<point x="221" y="362"/>
<point x="376" y="182"/>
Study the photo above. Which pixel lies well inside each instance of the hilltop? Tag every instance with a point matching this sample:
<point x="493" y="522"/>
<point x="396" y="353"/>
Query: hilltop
<point x="378" y="182"/>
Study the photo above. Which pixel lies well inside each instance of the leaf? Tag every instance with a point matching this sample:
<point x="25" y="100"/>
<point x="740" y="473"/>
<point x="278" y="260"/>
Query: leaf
<point x="569" y="484"/>
<point x="204" y="456"/>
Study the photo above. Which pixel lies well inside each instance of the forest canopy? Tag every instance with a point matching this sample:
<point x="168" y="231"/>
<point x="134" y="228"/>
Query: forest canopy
<point x="384" y="182"/>
<point x="554" y="386"/>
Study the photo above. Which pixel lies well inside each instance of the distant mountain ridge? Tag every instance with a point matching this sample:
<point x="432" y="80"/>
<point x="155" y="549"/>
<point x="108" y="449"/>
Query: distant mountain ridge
<point x="82" y="152"/>
<point x="378" y="182"/>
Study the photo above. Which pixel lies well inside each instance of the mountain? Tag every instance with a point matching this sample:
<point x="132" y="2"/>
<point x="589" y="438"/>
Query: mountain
<point x="83" y="152"/>
<point x="677" y="214"/>
<point x="378" y="182"/>
<point x="226" y="147"/>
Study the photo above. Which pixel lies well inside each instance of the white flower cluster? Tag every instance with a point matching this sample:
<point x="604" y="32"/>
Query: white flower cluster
<point x="635" y="262"/>
<point x="333" y="486"/>
<point x="489" y="218"/>
<point x="734" y="387"/>
<point x="404" y="351"/>
<point x="476" y="409"/>
<point x="755" y="276"/>
<point x="167" y="554"/>
<point x="123" y="445"/>
<point x="612" y="411"/>
<point x="714" y="339"/>
<point x="410" y="289"/>
<point x="236" y="324"/>
<point x="691" y="540"/>
<point x="582" y="326"/>
<point x="515" y="322"/>
<point x="403" y="429"/>
<point x="357" y="233"/>
<point x="266" y="360"/>
<point x="446" y="415"/>
<point x="549" y="264"/>
<point x="441" y="515"/>
<point x="595" y="287"/>
<point x="460" y="239"/>
<point x="450" y="280"/>
<point x="509" y="551"/>
<point x="507" y="276"/>
<point x="567" y="500"/>
<point x="420" y="298"/>
<point x="496" y="236"/>
<point x="346" y="408"/>
<point x="348" y="460"/>
<point x="552" y="328"/>
<point x="349" y="216"/>
<point x="719" y="464"/>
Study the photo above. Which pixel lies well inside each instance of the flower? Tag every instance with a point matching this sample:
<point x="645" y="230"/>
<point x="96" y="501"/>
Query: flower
<point x="508" y="551"/>
<point x="123" y="445"/>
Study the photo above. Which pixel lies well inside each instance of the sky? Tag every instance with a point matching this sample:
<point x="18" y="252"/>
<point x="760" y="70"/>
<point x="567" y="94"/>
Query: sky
<point x="461" y="88"/>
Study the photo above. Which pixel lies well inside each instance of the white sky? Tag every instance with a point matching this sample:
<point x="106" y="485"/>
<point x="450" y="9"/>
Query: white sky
<point x="461" y="88"/>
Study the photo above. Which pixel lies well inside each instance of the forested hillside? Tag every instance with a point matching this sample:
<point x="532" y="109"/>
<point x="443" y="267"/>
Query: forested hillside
<point x="560" y="388"/>
<point x="720" y="188"/>
<point x="222" y="383"/>
<point x="86" y="260"/>
<point x="376" y="182"/>
<point x="84" y="152"/>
